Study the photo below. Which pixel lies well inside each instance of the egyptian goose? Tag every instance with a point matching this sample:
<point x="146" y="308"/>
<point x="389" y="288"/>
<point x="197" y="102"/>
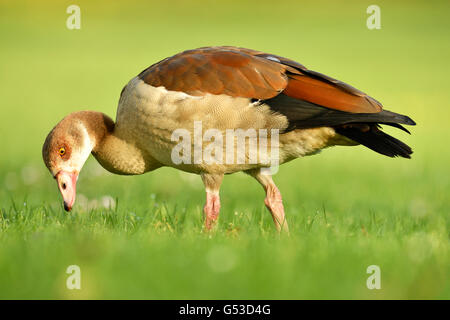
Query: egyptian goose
<point x="211" y="91"/>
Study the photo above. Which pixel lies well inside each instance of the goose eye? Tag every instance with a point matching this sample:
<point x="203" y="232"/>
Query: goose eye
<point x="62" y="151"/>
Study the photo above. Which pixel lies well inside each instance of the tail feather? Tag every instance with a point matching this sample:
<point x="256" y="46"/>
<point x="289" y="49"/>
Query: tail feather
<point x="378" y="141"/>
<point x="359" y="127"/>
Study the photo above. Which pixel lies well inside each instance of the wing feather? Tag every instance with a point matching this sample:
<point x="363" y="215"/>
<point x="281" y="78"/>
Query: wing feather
<point x="240" y="72"/>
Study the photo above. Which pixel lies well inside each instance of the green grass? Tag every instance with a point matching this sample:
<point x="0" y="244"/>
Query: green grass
<point x="347" y="208"/>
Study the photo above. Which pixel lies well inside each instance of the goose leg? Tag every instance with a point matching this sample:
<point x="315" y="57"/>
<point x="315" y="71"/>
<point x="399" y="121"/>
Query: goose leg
<point x="273" y="200"/>
<point x="211" y="209"/>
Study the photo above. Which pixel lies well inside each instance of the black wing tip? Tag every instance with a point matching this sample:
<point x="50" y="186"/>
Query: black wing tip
<point x="409" y="121"/>
<point x="395" y="125"/>
<point x="399" y="118"/>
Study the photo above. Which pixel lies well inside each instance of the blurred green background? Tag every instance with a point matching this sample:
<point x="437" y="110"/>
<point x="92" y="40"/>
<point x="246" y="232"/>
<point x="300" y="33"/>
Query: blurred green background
<point x="141" y="237"/>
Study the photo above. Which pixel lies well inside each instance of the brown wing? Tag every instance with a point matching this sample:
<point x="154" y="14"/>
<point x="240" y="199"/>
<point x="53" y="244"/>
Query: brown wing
<point x="218" y="70"/>
<point x="241" y="72"/>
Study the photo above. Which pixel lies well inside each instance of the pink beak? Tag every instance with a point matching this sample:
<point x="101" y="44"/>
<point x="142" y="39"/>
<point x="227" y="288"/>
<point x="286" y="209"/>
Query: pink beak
<point x="67" y="184"/>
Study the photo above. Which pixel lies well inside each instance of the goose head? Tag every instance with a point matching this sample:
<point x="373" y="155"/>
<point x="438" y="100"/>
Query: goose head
<point x="67" y="148"/>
